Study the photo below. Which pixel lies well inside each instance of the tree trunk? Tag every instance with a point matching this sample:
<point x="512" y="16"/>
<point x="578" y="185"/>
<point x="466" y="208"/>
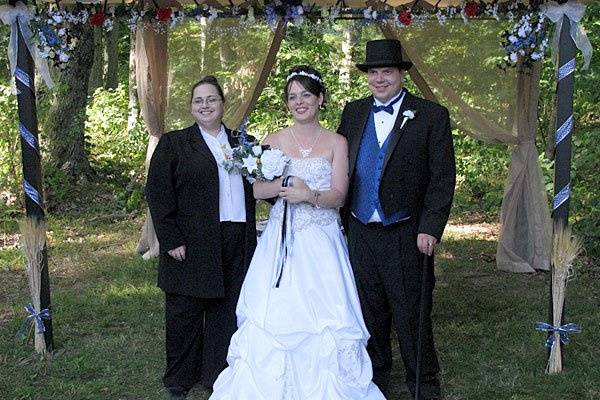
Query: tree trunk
<point x="347" y="66"/>
<point x="97" y="72"/>
<point x="66" y="123"/>
<point x="133" y="110"/>
<point x="210" y="44"/>
<point x="111" y="80"/>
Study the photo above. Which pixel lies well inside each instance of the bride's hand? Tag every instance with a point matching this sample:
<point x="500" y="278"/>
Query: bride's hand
<point x="297" y="193"/>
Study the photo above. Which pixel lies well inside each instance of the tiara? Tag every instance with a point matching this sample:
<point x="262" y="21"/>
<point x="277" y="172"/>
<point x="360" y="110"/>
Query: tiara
<point x="303" y="73"/>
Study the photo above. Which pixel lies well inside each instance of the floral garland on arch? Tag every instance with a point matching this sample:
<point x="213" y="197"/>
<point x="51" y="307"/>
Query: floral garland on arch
<point x="527" y="39"/>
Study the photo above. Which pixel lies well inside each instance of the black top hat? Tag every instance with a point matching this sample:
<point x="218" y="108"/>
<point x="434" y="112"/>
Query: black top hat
<point x="384" y="53"/>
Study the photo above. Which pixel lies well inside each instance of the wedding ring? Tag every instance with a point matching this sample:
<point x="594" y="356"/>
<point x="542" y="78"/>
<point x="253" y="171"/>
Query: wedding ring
<point x="428" y="243"/>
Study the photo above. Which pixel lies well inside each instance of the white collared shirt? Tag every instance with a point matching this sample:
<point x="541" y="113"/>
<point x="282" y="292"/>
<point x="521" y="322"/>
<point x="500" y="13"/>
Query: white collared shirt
<point x="232" y="205"/>
<point x="384" y="122"/>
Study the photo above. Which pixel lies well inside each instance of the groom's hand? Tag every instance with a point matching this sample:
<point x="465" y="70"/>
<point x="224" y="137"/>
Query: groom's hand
<point x="177" y="253"/>
<point x="426" y="243"/>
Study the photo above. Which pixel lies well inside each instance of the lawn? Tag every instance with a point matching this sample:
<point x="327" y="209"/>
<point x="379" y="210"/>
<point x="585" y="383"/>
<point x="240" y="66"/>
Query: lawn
<point x="108" y="320"/>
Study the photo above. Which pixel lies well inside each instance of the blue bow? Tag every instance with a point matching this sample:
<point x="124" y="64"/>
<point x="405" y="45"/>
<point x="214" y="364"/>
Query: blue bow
<point x="35" y="316"/>
<point x="389" y="108"/>
<point x="562" y="330"/>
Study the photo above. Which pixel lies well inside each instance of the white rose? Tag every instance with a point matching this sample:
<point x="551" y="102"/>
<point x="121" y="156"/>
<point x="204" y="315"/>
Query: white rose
<point x="63" y="57"/>
<point x="250" y="164"/>
<point x="257" y="150"/>
<point x="410" y="114"/>
<point x="273" y="163"/>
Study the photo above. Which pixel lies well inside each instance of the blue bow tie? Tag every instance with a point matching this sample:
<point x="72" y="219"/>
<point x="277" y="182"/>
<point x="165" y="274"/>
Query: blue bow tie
<point x="389" y="108"/>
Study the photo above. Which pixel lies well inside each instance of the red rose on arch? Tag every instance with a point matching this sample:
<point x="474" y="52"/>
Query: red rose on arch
<point x="97" y="19"/>
<point x="163" y="14"/>
<point x="405" y="17"/>
<point x="471" y="9"/>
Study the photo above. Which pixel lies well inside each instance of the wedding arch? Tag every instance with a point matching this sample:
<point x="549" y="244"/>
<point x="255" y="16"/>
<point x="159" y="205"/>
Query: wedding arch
<point x="505" y="110"/>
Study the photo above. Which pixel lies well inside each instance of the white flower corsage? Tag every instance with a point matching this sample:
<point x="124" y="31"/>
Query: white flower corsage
<point x="407" y="114"/>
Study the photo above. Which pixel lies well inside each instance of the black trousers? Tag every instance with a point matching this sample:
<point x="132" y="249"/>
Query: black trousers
<point x="387" y="267"/>
<point x="198" y="330"/>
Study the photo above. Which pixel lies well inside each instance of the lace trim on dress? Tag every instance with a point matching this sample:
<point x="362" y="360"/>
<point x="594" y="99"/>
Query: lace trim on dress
<point x="350" y="362"/>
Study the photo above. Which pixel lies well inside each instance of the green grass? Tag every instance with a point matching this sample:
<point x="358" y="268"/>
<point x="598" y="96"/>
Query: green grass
<point x="109" y="334"/>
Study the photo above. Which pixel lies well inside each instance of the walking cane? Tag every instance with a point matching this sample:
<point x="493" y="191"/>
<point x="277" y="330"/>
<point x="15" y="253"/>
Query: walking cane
<point x="420" y="333"/>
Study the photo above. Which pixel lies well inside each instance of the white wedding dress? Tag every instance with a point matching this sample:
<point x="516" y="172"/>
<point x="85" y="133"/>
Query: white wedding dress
<point x="306" y="339"/>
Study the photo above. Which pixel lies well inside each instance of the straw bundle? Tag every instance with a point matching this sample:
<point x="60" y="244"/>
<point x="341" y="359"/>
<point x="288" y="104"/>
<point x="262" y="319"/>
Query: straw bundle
<point x="33" y="241"/>
<point x="565" y="249"/>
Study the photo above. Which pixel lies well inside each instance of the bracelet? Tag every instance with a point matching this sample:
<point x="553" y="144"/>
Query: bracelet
<point x="316" y="195"/>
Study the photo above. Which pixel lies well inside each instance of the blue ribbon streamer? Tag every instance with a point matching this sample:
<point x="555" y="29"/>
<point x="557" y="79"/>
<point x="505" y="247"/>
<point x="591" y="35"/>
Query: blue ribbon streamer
<point x="565" y="129"/>
<point x="36" y="317"/>
<point x="28" y="137"/>
<point x="32" y="193"/>
<point x="563" y="331"/>
<point x="23" y="77"/>
<point x="561" y="197"/>
<point x="566" y="70"/>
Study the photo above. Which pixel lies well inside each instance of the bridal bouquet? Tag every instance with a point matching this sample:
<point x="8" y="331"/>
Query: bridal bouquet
<point x="256" y="162"/>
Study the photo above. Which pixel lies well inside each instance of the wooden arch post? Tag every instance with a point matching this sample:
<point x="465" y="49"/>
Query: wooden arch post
<point x="31" y="161"/>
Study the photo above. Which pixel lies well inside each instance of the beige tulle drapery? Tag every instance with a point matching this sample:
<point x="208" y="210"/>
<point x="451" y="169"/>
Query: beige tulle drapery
<point x="151" y="76"/>
<point x="450" y="67"/>
<point x="493" y="106"/>
<point x="526" y="232"/>
<point x="170" y="62"/>
<point x="240" y="56"/>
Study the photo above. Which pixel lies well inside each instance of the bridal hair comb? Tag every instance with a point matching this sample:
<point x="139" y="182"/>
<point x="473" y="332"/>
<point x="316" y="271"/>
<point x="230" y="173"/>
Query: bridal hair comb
<point x="303" y="73"/>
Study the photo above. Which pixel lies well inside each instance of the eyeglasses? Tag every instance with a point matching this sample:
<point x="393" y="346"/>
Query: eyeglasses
<point x="210" y="101"/>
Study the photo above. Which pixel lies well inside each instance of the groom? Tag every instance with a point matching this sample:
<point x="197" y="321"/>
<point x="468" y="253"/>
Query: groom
<point x="402" y="176"/>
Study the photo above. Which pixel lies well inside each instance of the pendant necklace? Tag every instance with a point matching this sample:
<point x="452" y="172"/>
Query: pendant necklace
<point x="305" y="152"/>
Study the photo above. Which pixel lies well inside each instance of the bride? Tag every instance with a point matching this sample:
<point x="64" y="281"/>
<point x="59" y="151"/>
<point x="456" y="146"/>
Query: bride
<point x="301" y="333"/>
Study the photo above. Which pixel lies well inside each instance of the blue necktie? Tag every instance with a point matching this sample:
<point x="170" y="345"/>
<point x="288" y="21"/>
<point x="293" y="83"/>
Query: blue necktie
<point x="389" y="108"/>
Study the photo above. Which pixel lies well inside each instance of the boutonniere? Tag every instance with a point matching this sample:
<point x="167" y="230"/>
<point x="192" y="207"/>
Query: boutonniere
<point x="407" y="114"/>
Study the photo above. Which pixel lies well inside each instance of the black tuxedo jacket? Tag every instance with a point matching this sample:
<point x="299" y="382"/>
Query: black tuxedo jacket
<point x="183" y="196"/>
<point x="419" y="169"/>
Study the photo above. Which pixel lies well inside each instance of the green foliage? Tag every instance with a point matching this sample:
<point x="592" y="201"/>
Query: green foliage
<point x="10" y="148"/>
<point x="116" y="153"/>
<point x="481" y="171"/>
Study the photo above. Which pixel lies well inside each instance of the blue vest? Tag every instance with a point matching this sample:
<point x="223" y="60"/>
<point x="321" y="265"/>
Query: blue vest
<point x="367" y="178"/>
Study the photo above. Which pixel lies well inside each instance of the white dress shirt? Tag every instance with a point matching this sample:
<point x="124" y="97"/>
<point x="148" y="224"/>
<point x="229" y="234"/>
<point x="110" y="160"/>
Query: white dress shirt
<point x="232" y="205"/>
<point x="384" y="123"/>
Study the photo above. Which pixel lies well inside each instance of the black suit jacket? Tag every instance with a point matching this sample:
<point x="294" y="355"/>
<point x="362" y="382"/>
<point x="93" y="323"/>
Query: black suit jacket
<point x="183" y="196"/>
<point x="419" y="168"/>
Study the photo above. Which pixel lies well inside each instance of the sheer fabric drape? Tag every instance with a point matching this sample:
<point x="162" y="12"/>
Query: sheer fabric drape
<point x="170" y="62"/>
<point x="458" y="63"/>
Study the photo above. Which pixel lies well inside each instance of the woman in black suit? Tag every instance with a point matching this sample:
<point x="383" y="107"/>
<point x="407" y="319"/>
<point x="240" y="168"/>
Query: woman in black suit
<point x="205" y="223"/>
